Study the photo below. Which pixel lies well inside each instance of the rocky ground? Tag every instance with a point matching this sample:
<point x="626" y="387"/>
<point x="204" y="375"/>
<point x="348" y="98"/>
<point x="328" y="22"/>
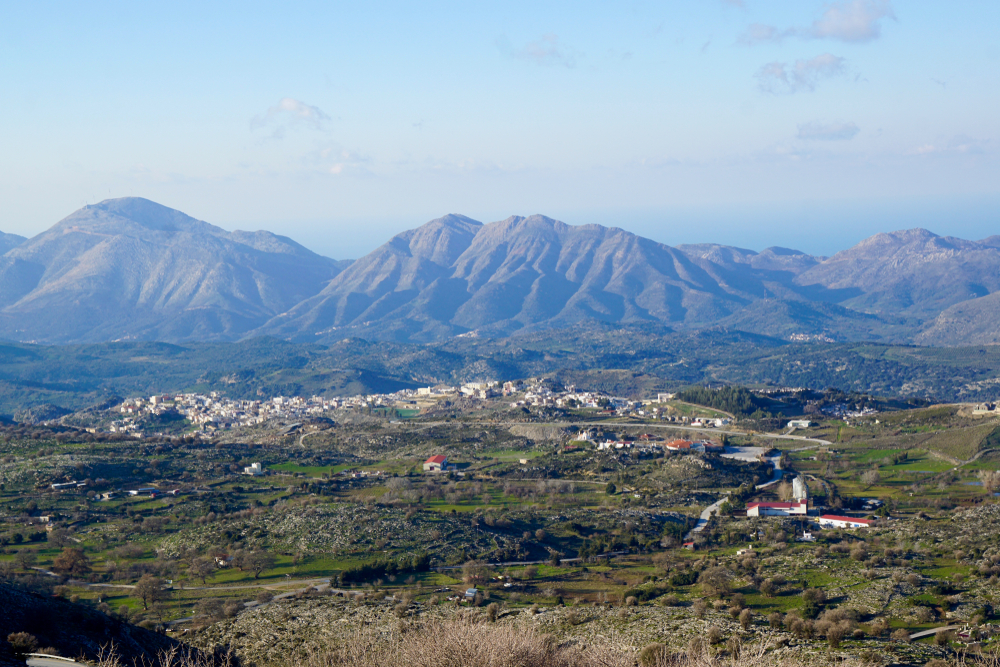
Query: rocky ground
<point x="284" y="631"/>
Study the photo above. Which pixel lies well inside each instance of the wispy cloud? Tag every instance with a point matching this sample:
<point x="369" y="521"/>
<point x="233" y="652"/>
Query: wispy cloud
<point x="289" y="110"/>
<point x="845" y="21"/>
<point x="828" y="131"/>
<point x="958" y="145"/>
<point x="802" y="75"/>
<point x="544" y="51"/>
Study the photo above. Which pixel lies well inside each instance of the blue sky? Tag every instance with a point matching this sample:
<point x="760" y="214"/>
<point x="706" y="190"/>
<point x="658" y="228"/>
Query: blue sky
<point x="754" y="123"/>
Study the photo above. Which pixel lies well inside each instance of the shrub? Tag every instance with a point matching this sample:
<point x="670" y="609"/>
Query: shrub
<point x="22" y="643"/>
<point x="653" y="655"/>
<point x="901" y="635"/>
<point x="492" y="611"/>
<point x="714" y="635"/>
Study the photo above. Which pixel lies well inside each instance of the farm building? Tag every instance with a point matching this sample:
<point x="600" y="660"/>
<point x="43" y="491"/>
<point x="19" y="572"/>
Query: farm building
<point x="436" y="463"/>
<point x="834" y="521"/>
<point x="776" y="509"/>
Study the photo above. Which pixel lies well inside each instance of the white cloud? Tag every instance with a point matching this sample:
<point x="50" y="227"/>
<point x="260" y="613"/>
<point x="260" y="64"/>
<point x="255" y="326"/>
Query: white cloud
<point x="856" y="21"/>
<point x="544" y="51"/>
<point x="803" y="75"/>
<point x="828" y="131"/>
<point x="290" y="110"/>
<point x="845" y="21"/>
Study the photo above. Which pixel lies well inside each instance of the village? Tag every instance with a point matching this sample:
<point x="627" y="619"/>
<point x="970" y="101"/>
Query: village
<point x="213" y="412"/>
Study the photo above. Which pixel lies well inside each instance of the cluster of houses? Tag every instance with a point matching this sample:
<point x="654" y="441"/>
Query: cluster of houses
<point x="650" y="444"/>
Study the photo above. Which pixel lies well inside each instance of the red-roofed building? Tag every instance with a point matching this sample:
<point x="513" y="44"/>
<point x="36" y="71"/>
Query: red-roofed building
<point x="836" y="521"/>
<point x="776" y="509"/>
<point x="436" y="463"/>
<point x="679" y="445"/>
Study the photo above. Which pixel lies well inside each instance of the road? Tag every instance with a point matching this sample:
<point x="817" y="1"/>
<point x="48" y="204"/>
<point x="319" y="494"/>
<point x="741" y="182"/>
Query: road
<point x="41" y="660"/>
<point x="706" y="514"/>
<point x="676" y="427"/>
<point x="934" y="631"/>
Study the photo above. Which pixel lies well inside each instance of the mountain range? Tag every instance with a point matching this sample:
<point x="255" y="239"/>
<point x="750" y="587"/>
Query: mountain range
<point x="133" y="269"/>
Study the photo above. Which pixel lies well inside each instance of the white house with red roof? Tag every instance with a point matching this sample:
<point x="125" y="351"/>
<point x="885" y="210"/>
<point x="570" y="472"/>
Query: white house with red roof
<point x="836" y="521"/>
<point x="436" y="463"/>
<point x="777" y="509"/>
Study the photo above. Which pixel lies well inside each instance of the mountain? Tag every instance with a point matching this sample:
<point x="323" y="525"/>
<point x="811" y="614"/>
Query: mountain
<point x="455" y="275"/>
<point x="131" y="268"/>
<point x="9" y="241"/>
<point x="909" y="273"/>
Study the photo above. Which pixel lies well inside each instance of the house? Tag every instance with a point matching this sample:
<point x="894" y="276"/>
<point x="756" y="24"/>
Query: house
<point x="799" y="423"/>
<point x="255" y="470"/>
<point x="748" y="550"/>
<point x="436" y="463"/>
<point x="223" y="560"/>
<point x="776" y="509"/>
<point x="470" y="594"/>
<point x="680" y="445"/>
<point x="835" y="521"/>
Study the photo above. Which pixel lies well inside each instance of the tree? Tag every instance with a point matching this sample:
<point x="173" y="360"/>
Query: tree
<point x="149" y="589"/>
<point x="59" y="537"/>
<point x="716" y="580"/>
<point x="990" y="480"/>
<point x="610" y="489"/>
<point x="202" y="568"/>
<point x="746" y="618"/>
<point x="26" y="558"/>
<point x="767" y="588"/>
<point x="474" y="571"/>
<point x="72" y="562"/>
<point x="258" y="561"/>
<point x="870" y="477"/>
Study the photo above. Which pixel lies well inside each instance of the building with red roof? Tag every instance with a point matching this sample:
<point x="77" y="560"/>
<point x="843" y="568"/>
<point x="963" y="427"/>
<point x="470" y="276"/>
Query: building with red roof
<point x="436" y="463"/>
<point x="777" y="509"/>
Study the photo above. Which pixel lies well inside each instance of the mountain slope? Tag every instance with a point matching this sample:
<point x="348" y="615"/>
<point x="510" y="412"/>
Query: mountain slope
<point x="454" y="275"/>
<point x="910" y="273"/>
<point x="130" y="268"/>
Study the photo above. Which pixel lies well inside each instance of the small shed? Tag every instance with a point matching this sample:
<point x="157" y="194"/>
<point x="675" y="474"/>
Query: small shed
<point x="436" y="463"/>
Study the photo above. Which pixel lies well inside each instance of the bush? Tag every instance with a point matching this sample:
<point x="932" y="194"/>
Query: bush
<point x="22" y="643"/>
<point x="653" y="655"/>
<point x="901" y="635"/>
<point x="714" y="635"/>
<point x="492" y="611"/>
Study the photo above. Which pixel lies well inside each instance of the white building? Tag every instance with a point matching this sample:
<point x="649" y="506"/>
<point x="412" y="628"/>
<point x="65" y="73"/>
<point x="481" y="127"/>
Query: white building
<point x="255" y="470"/>
<point x="834" y="521"/>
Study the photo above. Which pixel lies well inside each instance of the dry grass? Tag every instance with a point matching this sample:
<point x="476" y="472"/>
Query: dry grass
<point x="471" y="642"/>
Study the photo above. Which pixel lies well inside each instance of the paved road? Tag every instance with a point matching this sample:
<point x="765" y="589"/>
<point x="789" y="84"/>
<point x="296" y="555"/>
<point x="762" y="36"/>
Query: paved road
<point x="706" y="514"/>
<point x="40" y="660"/>
<point x="770" y="436"/>
<point x="934" y="631"/>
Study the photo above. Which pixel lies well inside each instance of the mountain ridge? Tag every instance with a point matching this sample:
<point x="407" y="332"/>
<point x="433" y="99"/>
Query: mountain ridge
<point x="133" y="269"/>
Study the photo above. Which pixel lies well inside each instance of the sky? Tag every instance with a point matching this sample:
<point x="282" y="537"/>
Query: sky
<point x="746" y="122"/>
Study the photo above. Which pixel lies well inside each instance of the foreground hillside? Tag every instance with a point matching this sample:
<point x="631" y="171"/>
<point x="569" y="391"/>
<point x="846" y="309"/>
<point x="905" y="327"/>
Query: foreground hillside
<point x="72" y="630"/>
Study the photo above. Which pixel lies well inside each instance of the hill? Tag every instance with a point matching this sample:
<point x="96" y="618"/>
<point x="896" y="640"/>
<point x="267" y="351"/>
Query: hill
<point x="74" y="629"/>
